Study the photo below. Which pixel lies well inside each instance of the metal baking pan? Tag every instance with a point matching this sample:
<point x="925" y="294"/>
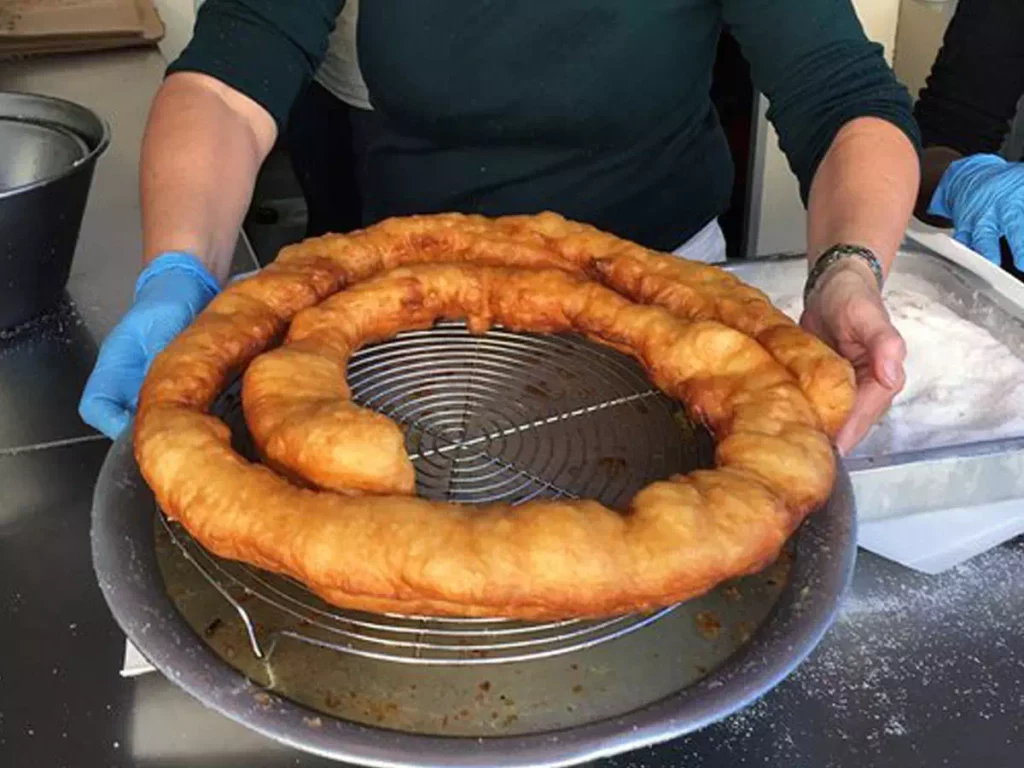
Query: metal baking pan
<point x="499" y="416"/>
<point x="954" y="476"/>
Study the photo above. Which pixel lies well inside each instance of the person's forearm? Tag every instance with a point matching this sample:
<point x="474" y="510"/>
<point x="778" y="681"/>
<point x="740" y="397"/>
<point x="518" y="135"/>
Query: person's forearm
<point x="864" y="190"/>
<point x="203" y="147"/>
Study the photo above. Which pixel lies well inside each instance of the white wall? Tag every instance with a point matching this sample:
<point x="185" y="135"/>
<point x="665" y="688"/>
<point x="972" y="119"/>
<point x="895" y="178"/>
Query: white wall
<point x="918" y="38"/>
<point x="178" y="16"/>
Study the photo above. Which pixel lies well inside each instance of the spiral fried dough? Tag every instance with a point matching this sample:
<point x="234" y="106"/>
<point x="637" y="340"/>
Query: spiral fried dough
<point x="689" y="289"/>
<point x="543" y="559"/>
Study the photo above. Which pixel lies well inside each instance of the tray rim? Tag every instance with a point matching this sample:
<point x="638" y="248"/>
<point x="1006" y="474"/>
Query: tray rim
<point x="124" y="559"/>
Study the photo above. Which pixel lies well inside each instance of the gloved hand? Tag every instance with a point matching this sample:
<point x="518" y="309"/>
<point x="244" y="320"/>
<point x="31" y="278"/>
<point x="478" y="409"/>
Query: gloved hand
<point x="169" y="293"/>
<point x="984" y="197"/>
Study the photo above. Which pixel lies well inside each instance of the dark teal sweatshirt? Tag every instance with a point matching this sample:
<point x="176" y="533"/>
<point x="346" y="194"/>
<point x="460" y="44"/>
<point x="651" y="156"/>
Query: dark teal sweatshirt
<point x="597" y="109"/>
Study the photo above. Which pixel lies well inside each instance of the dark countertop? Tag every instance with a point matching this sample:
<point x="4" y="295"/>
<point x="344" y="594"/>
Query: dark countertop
<point x="918" y="671"/>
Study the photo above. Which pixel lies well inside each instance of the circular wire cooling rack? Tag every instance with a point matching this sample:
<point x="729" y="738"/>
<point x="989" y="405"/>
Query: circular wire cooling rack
<point x="502" y="416"/>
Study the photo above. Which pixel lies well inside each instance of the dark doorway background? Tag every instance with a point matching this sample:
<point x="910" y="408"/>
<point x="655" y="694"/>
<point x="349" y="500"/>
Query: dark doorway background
<point x="732" y="93"/>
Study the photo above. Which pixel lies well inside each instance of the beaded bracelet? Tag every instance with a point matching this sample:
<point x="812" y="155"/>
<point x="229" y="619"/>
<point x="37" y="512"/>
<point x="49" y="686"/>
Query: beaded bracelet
<point x="838" y="253"/>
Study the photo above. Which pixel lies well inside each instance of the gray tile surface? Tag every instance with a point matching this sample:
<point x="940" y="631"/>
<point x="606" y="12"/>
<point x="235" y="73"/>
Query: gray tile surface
<point x="918" y="671"/>
<point x="62" y="702"/>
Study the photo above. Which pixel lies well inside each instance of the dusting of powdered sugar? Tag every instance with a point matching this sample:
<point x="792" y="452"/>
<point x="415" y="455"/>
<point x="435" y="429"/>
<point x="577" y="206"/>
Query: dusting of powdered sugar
<point x="911" y="649"/>
<point x="60" y="328"/>
<point x="912" y="659"/>
<point x="963" y="384"/>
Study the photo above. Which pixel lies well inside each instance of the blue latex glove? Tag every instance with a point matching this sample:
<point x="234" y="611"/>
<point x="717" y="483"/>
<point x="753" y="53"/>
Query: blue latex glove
<point x="169" y="293"/>
<point x="984" y="197"/>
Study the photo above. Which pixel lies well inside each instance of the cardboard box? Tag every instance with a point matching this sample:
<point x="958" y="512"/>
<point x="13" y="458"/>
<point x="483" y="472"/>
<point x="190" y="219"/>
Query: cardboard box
<point x="60" y="26"/>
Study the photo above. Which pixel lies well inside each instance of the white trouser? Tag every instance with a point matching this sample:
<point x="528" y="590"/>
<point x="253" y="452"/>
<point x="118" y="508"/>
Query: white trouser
<point x="708" y="245"/>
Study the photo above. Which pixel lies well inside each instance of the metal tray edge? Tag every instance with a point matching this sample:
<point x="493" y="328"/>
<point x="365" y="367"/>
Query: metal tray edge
<point x="125" y="563"/>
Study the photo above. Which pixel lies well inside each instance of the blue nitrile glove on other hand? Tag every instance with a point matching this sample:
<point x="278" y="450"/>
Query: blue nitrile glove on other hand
<point x="983" y="195"/>
<point x="169" y="293"/>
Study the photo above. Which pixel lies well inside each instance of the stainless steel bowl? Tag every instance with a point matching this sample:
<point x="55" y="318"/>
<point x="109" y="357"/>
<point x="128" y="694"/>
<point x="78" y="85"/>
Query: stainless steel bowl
<point x="48" y="151"/>
<point x="33" y="152"/>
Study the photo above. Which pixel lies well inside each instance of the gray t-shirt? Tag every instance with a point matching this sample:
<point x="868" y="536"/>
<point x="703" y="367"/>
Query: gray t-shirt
<point x="339" y="72"/>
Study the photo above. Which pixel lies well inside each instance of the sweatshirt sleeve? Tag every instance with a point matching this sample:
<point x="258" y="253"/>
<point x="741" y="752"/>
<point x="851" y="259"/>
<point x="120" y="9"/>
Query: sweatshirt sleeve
<point x="977" y="79"/>
<point x="819" y="71"/>
<point x="266" y="49"/>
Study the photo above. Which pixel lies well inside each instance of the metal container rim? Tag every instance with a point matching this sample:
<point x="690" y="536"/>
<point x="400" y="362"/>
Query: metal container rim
<point x="96" y="146"/>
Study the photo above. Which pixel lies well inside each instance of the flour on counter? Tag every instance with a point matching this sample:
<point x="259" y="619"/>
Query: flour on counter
<point x="963" y="385"/>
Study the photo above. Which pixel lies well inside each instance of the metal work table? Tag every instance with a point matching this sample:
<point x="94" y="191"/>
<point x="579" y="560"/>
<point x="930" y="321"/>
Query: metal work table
<point x="918" y="671"/>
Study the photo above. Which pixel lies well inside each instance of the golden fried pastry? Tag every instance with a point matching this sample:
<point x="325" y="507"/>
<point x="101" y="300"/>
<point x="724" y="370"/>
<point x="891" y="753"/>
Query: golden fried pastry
<point x="690" y="290"/>
<point x="385" y="550"/>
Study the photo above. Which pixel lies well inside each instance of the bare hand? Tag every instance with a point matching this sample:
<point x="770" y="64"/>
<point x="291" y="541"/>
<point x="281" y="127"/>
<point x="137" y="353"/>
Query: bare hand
<point x="846" y="311"/>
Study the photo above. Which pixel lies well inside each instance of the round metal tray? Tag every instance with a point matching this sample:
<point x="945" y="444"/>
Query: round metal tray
<point x="505" y="415"/>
